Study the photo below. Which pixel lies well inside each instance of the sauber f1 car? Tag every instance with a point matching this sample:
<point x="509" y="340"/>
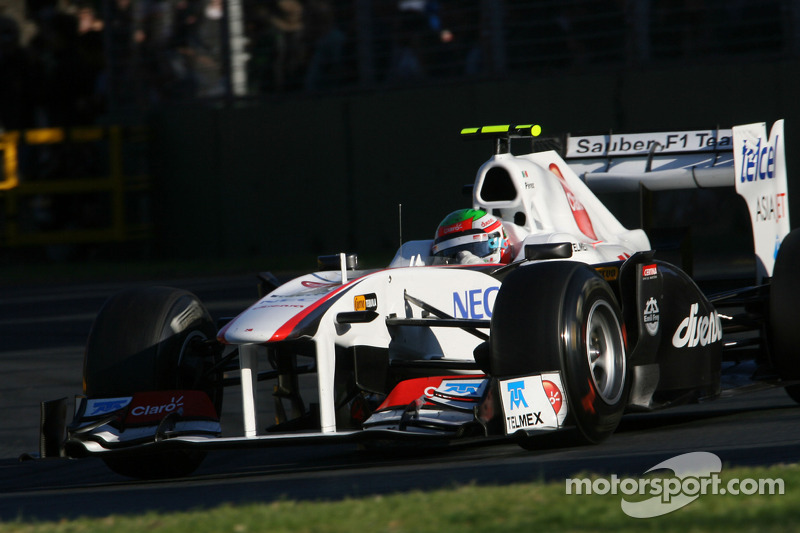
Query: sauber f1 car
<point x="532" y="312"/>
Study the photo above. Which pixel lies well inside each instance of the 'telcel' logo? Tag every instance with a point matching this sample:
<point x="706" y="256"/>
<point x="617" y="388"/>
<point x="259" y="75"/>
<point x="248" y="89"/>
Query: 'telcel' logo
<point x="758" y="162"/>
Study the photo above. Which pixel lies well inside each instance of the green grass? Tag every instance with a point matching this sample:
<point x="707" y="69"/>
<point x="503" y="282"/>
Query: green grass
<point x="515" y="508"/>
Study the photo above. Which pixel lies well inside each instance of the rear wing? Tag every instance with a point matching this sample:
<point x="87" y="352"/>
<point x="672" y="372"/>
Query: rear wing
<point x="658" y="161"/>
<point x="744" y="157"/>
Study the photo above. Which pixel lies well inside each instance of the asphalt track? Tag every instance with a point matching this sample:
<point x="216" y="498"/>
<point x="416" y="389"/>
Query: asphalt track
<point x="42" y="332"/>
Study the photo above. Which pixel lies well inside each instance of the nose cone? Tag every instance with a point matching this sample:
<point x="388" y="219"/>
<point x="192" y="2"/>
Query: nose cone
<point x="279" y="314"/>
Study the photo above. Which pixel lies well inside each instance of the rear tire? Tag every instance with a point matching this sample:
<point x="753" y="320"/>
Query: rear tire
<point x="564" y="316"/>
<point x="784" y="312"/>
<point x="141" y="341"/>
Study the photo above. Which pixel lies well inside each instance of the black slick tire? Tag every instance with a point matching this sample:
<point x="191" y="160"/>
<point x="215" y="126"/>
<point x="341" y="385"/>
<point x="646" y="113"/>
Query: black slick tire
<point x="562" y="316"/>
<point x="141" y="341"/>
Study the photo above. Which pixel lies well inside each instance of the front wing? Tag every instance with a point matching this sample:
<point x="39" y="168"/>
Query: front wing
<point x="423" y="410"/>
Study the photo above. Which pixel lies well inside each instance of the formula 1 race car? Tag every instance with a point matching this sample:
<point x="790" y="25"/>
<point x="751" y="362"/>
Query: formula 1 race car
<point x="534" y="311"/>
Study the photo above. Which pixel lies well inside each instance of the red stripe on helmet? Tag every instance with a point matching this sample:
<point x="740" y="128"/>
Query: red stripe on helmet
<point x="454" y="228"/>
<point x="494" y="227"/>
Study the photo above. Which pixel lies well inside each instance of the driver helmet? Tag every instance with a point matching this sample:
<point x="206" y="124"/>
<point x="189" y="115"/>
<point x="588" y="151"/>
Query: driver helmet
<point x="471" y="233"/>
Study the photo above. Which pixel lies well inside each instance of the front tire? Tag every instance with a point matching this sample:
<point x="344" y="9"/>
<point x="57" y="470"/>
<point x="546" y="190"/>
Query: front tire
<point x="564" y="316"/>
<point x="142" y="340"/>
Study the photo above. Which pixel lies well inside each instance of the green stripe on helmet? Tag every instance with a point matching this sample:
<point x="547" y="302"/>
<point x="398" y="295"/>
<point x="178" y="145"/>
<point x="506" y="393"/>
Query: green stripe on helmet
<point x="461" y="215"/>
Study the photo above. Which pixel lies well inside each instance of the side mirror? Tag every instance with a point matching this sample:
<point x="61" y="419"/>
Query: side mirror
<point x="335" y="262"/>
<point x="556" y="250"/>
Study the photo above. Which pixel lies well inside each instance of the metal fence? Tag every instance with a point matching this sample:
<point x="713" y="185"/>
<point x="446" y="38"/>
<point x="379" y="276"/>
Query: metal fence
<point x="84" y="61"/>
<point x="174" y="50"/>
<point x="317" y="45"/>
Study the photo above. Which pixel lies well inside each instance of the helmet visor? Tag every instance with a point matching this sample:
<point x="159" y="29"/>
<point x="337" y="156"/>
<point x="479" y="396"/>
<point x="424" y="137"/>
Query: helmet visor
<point x="483" y="245"/>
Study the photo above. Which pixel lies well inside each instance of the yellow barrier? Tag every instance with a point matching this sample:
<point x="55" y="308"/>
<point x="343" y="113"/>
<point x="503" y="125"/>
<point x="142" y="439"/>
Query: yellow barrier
<point x="116" y="185"/>
<point x="8" y="143"/>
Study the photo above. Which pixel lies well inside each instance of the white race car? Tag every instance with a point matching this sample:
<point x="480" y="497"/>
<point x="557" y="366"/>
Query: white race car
<point x="532" y="311"/>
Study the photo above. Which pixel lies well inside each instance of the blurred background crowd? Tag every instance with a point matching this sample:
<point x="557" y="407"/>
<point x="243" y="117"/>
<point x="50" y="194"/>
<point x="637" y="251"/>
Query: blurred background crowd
<point x="72" y="62"/>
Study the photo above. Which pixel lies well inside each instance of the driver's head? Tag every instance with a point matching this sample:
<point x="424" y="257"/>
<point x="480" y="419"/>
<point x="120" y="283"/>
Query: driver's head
<point x="471" y="233"/>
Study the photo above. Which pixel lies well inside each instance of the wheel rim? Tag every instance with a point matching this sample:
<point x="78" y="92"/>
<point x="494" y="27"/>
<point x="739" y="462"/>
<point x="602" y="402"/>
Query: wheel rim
<point x="605" y="352"/>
